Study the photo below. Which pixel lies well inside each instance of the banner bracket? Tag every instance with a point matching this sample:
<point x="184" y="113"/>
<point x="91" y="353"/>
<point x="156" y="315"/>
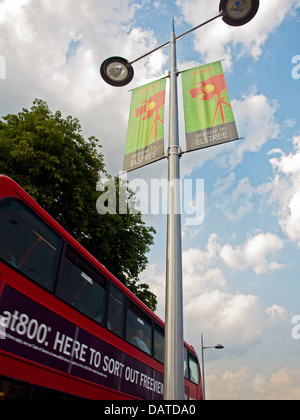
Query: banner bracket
<point x="176" y="151"/>
<point x="177" y="72"/>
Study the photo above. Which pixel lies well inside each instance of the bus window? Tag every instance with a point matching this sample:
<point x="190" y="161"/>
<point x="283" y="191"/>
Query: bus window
<point x="186" y="369"/>
<point x="194" y="369"/>
<point x="138" y="329"/>
<point x="11" y="389"/>
<point x="116" y="308"/>
<point x="81" y="286"/>
<point x="159" y="344"/>
<point x="27" y="243"/>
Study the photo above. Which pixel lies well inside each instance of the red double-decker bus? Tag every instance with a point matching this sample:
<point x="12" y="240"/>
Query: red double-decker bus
<point x="68" y="328"/>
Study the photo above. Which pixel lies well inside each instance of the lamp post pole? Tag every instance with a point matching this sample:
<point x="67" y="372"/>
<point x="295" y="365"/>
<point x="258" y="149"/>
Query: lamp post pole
<point x="118" y="71"/>
<point x="174" y="358"/>
<point x="218" y="347"/>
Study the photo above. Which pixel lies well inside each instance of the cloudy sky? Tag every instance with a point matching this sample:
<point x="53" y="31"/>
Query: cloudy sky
<point x="241" y="265"/>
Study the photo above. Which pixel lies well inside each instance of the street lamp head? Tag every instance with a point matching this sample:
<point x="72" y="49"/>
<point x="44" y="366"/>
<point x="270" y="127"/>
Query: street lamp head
<point x="116" y="71"/>
<point x="219" y="347"/>
<point x="238" y="13"/>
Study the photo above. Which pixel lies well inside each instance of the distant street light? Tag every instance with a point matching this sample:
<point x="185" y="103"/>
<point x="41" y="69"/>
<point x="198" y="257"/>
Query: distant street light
<point x="218" y="347"/>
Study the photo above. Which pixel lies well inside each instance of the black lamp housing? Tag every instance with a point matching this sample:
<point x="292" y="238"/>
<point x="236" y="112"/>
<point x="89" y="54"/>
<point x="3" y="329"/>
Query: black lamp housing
<point x="116" y="71"/>
<point x="238" y="13"/>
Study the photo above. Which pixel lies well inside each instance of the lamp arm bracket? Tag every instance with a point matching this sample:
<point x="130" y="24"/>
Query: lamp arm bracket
<point x="222" y="13"/>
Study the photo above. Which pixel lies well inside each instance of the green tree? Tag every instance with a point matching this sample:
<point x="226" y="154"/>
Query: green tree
<point x="125" y="251"/>
<point x="48" y="156"/>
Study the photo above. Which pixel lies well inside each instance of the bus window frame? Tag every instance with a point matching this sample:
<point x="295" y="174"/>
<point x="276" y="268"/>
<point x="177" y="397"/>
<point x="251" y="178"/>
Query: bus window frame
<point x="160" y="330"/>
<point x="122" y="335"/>
<point x="137" y="311"/>
<point x="91" y="267"/>
<point x="191" y="355"/>
<point x="61" y="244"/>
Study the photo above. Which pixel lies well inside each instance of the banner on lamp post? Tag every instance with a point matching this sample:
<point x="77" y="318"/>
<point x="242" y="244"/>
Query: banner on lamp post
<point x="208" y="113"/>
<point x="145" y="135"/>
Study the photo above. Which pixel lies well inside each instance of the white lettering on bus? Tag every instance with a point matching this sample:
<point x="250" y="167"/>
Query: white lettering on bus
<point x="68" y="346"/>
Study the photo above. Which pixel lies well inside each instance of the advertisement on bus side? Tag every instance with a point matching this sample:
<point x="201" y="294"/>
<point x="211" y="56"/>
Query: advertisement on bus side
<point x="35" y="333"/>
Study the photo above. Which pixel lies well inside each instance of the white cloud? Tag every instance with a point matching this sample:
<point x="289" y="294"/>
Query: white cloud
<point x="35" y="41"/>
<point x="283" y="384"/>
<point x="253" y="254"/>
<point x="256" y="122"/>
<point x="280" y="195"/>
<point x="208" y="306"/>
<point x="236" y="319"/>
<point x="276" y="312"/>
<point x="288" y="164"/>
<point x="255" y="117"/>
<point x="218" y="40"/>
<point x="286" y="191"/>
<point x="200" y="271"/>
<point x="228" y="383"/>
<point x="9" y="9"/>
<point x="251" y="383"/>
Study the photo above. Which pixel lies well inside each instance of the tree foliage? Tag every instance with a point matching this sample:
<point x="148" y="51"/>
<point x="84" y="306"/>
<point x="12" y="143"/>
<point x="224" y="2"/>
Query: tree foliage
<point x="48" y="156"/>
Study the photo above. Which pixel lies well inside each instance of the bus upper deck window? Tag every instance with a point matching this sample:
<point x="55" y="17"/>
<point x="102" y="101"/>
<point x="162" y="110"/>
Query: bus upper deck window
<point x="194" y="369"/>
<point x="27" y="243"/>
<point x="81" y="286"/>
<point x="116" y="310"/>
<point x="138" y="329"/>
<point x="159" y="343"/>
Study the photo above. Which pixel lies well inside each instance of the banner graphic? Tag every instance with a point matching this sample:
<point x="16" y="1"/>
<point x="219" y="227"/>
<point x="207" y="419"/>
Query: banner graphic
<point x="208" y="114"/>
<point x="145" y="135"/>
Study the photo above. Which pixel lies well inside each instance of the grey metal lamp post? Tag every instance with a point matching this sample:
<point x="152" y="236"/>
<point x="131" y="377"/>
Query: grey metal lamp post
<point x="118" y="71"/>
<point x="218" y="347"/>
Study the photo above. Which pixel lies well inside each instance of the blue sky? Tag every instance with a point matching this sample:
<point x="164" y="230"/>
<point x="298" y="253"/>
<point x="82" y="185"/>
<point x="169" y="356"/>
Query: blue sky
<point x="241" y="265"/>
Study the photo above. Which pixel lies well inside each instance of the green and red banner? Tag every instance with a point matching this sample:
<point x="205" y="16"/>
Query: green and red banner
<point x="208" y="114"/>
<point x="145" y="135"/>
